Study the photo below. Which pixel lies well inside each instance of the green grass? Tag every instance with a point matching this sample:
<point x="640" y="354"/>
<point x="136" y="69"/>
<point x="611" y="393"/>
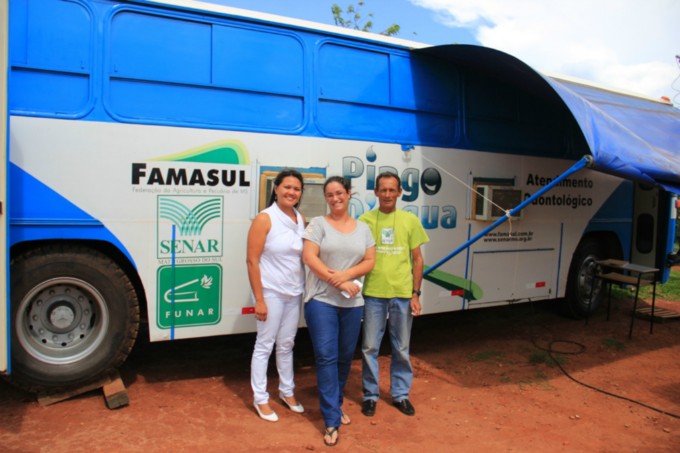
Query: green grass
<point x="667" y="291"/>
<point x="671" y="289"/>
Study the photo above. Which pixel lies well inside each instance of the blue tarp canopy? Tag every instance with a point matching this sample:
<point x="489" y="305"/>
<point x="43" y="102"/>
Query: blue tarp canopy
<point x="628" y="136"/>
<point x="634" y="138"/>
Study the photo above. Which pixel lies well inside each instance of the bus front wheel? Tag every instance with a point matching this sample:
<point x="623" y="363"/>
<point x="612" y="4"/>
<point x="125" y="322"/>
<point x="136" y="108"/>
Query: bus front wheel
<point x="580" y="281"/>
<point x="75" y="318"/>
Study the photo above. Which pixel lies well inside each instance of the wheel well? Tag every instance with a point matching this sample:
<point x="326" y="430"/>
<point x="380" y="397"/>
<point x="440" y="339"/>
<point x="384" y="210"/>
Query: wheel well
<point x="103" y="247"/>
<point x="611" y="246"/>
<point x="580" y="300"/>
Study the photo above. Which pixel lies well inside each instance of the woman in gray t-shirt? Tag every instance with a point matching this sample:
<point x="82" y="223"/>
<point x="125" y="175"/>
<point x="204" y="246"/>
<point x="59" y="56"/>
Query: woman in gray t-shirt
<point x="338" y="251"/>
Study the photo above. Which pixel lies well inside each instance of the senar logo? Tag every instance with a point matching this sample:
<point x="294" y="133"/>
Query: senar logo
<point x="189" y="221"/>
<point x="190" y="227"/>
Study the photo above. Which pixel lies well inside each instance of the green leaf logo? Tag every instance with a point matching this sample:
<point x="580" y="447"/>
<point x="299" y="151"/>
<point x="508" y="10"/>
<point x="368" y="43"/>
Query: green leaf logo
<point x="189" y="222"/>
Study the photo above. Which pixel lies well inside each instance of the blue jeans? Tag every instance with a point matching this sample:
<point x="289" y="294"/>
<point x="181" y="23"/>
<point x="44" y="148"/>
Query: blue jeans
<point x="334" y="332"/>
<point x="376" y="312"/>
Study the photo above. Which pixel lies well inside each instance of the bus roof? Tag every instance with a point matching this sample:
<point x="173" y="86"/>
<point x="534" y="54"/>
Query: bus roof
<point x="629" y="135"/>
<point x="347" y="32"/>
<point x="288" y="21"/>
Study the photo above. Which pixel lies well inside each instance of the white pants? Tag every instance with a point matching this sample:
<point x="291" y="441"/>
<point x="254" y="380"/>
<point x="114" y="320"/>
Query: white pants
<point x="283" y="317"/>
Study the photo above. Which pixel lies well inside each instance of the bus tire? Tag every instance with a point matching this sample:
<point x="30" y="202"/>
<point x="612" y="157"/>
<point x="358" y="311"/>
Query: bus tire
<point x="580" y="280"/>
<point x="74" y="318"/>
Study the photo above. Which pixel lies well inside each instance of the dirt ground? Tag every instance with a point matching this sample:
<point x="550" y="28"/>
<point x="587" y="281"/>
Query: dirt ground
<point x="484" y="381"/>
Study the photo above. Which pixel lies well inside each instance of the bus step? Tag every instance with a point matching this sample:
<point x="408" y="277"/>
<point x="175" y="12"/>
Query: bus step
<point x="660" y="314"/>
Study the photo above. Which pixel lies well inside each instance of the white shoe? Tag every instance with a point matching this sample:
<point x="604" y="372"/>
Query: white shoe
<point x="297" y="408"/>
<point x="269" y="417"/>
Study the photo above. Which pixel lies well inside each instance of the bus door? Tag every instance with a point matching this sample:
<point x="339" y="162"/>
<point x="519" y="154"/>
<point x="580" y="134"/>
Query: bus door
<point x="4" y="296"/>
<point x="645" y="229"/>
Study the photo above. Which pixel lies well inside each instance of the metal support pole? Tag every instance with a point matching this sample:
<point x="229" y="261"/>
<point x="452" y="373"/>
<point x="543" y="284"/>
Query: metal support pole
<point x="585" y="161"/>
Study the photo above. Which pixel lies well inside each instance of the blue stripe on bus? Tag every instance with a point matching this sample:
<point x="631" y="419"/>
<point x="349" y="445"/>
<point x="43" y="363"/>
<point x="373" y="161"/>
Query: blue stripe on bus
<point x="39" y="213"/>
<point x="616" y="215"/>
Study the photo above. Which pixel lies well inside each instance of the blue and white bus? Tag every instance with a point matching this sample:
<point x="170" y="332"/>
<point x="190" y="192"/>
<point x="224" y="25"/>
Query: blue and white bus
<point x="141" y="139"/>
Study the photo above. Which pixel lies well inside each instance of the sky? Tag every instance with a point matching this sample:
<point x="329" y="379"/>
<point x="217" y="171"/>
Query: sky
<point x="626" y="44"/>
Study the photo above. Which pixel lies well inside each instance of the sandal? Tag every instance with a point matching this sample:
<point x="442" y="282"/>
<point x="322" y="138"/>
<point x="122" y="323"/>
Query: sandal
<point x="329" y="435"/>
<point x="344" y="419"/>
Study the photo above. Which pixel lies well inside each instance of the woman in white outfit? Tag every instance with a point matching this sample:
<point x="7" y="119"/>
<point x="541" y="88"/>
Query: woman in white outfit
<point x="277" y="279"/>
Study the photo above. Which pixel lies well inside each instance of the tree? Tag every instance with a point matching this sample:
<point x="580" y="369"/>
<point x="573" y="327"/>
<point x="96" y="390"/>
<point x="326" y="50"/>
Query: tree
<point x="351" y="18"/>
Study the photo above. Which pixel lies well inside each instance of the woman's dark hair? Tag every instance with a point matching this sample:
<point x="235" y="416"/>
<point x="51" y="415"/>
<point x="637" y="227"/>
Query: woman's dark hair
<point x="387" y="174"/>
<point x="286" y="172"/>
<point x="344" y="182"/>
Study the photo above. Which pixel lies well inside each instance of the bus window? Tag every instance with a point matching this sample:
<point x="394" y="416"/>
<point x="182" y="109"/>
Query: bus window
<point x="313" y="202"/>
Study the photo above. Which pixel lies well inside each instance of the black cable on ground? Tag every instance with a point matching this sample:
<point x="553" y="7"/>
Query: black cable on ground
<point x="580" y="348"/>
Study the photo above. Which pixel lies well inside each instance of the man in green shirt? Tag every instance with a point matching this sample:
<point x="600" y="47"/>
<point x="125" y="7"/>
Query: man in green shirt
<point x="391" y="293"/>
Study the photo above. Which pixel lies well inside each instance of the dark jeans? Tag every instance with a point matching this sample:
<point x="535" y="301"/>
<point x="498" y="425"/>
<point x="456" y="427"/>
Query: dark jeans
<point x="334" y="332"/>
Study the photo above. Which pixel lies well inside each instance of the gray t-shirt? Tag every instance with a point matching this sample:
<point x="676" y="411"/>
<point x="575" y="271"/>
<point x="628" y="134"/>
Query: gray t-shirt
<point x="338" y="251"/>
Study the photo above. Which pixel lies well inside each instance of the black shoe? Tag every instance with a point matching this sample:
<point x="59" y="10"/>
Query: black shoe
<point x="368" y="408"/>
<point x="405" y="407"/>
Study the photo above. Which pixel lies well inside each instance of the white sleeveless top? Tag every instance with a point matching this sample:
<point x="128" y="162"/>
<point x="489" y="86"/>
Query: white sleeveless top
<point x="281" y="266"/>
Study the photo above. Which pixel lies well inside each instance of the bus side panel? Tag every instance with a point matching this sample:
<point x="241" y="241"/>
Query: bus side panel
<point x="515" y="275"/>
